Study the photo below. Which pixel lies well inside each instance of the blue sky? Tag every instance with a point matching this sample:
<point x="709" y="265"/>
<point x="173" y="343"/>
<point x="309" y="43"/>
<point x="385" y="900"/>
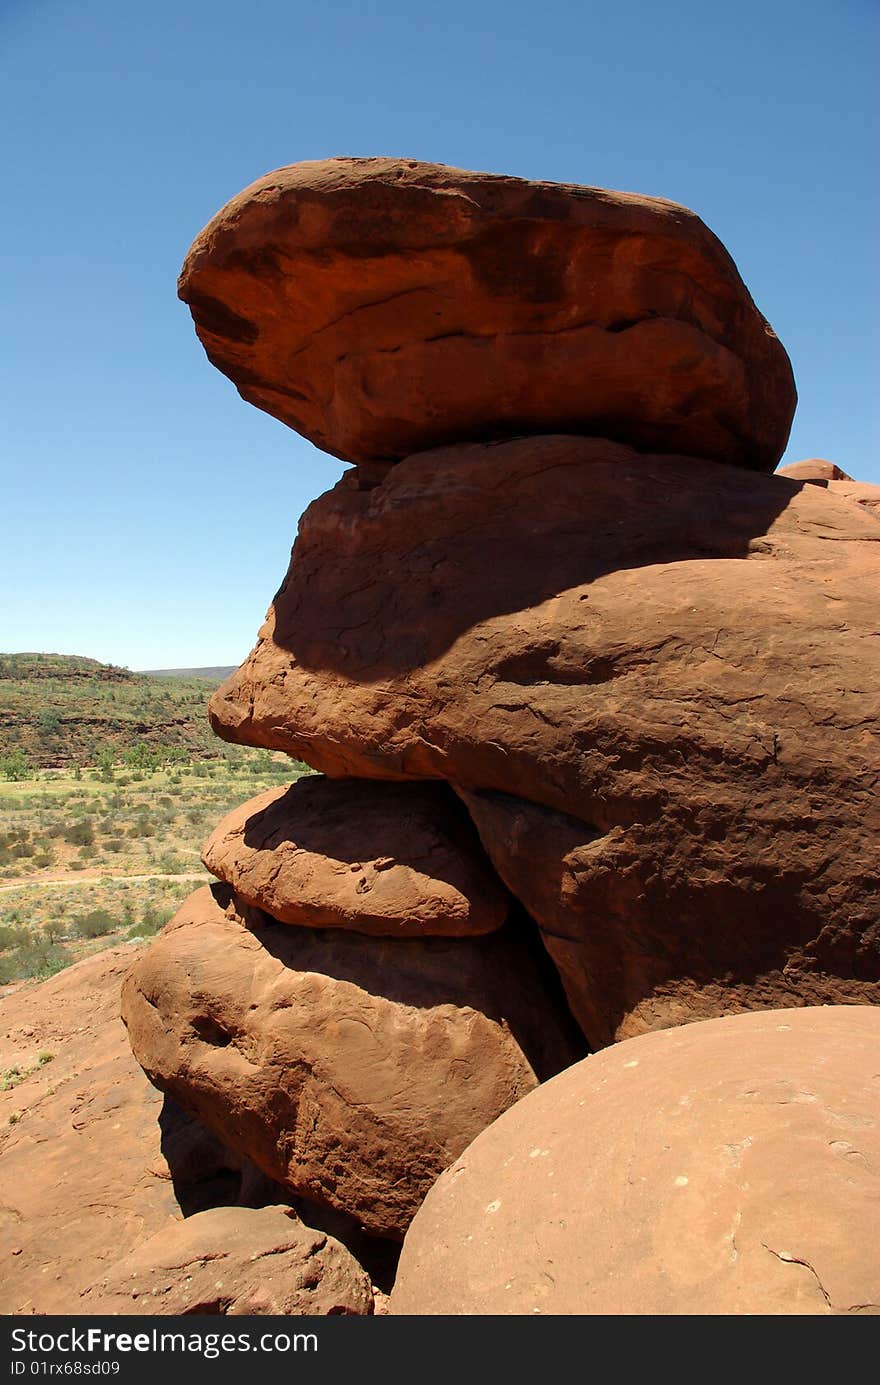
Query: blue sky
<point x="148" y="511"/>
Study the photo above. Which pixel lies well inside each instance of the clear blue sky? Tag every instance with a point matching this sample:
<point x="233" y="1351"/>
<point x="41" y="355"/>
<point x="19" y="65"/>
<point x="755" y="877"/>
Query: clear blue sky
<point x="148" y="512"/>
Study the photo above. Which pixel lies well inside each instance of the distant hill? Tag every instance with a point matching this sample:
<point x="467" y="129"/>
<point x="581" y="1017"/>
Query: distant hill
<point x="63" y="710"/>
<point x="214" y="675"/>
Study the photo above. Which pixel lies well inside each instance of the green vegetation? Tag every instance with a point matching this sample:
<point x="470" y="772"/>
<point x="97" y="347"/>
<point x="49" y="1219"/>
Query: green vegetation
<point x="61" y="711"/>
<point x="104" y="850"/>
<point x="12" y="1076"/>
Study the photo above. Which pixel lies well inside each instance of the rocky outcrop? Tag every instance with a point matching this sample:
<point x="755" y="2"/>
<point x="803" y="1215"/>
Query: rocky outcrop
<point x="84" y="1110"/>
<point x="654" y="678"/>
<point x="814" y="469"/>
<point x="92" y="1162"/>
<point x="641" y="675"/>
<point x="393" y="860"/>
<point x="352" y="1070"/>
<point x="858" y="493"/>
<point x="235" y="1261"/>
<point x="384" y="306"/>
<point x="731" y="1167"/>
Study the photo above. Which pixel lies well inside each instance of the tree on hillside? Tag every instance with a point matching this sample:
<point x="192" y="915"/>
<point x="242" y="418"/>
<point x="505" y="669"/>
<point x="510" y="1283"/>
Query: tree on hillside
<point x="15" y="765"/>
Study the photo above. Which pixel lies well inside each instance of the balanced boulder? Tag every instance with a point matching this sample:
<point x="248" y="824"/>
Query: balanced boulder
<point x="400" y="860"/>
<point x="384" y="306"/>
<point x="352" y="1070"/>
<point x="727" y="1167"/>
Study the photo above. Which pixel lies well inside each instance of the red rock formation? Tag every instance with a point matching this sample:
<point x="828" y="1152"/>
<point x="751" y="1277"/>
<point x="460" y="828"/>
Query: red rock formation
<point x="677" y="656"/>
<point x="858" y="493"/>
<point x="393" y="860"/>
<point x="814" y="469"/>
<point x="384" y="306"/>
<point x="729" y="1167"/>
<point x="82" y="1179"/>
<point x="352" y="1070"/>
<point x="235" y="1261"/>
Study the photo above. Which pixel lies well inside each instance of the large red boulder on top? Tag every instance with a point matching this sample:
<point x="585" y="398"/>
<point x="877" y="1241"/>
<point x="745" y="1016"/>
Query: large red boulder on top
<point x="384" y="306"/>
<point x="720" y="1168"/>
<point x="351" y="1070"/>
<point x="400" y="860"/>
<point x="668" y="667"/>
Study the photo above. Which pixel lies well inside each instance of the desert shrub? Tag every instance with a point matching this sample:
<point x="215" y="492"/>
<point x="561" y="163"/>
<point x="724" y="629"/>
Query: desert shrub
<point x="95" y="924"/>
<point x="42" y="859"/>
<point x="114" y="844"/>
<point x="81" y="833"/>
<point x="153" y="920"/>
<point x="12" y="936"/>
<point x="169" y="864"/>
<point x="36" y="959"/>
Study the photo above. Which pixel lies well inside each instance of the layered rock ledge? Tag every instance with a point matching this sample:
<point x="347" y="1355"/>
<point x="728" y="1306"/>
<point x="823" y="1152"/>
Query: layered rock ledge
<point x="395" y="860"/>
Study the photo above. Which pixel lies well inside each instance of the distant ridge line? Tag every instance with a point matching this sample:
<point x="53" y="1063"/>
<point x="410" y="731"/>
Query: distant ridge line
<point x="219" y="672"/>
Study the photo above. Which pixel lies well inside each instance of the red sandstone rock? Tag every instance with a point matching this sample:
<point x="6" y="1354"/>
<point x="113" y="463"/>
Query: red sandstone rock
<point x="350" y="1069"/>
<point x="813" y="469"/>
<point x="82" y="1179"/>
<point x="730" y="1167"/>
<point x="235" y="1261"/>
<point x="858" y="493"/>
<point x="680" y="657"/>
<point x="396" y="860"/>
<point x="836" y="481"/>
<point x="384" y="306"/>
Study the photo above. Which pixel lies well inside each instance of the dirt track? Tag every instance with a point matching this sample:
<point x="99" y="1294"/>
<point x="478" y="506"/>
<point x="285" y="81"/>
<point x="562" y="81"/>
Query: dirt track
<point x="79" y="878"/>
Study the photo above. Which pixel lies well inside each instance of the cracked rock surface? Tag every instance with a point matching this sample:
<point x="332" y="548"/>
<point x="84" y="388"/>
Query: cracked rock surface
<point x="727" y="1167"/>
<point x="383" y="306"/>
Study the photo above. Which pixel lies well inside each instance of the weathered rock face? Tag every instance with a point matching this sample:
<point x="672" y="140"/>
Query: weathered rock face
<point x="384" y="306"/>
<point x="642" y="943"/>
<point x="677" y="655"/>
<point x="832" y="478"/>
<point x="394" y="860"/>
<point x="857" y="493"/>
<point x="729" y="1167"/>
<point x="82" y="1179"/>
<point x="235" y="1261"/>
<point x="350" y="1069"/>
